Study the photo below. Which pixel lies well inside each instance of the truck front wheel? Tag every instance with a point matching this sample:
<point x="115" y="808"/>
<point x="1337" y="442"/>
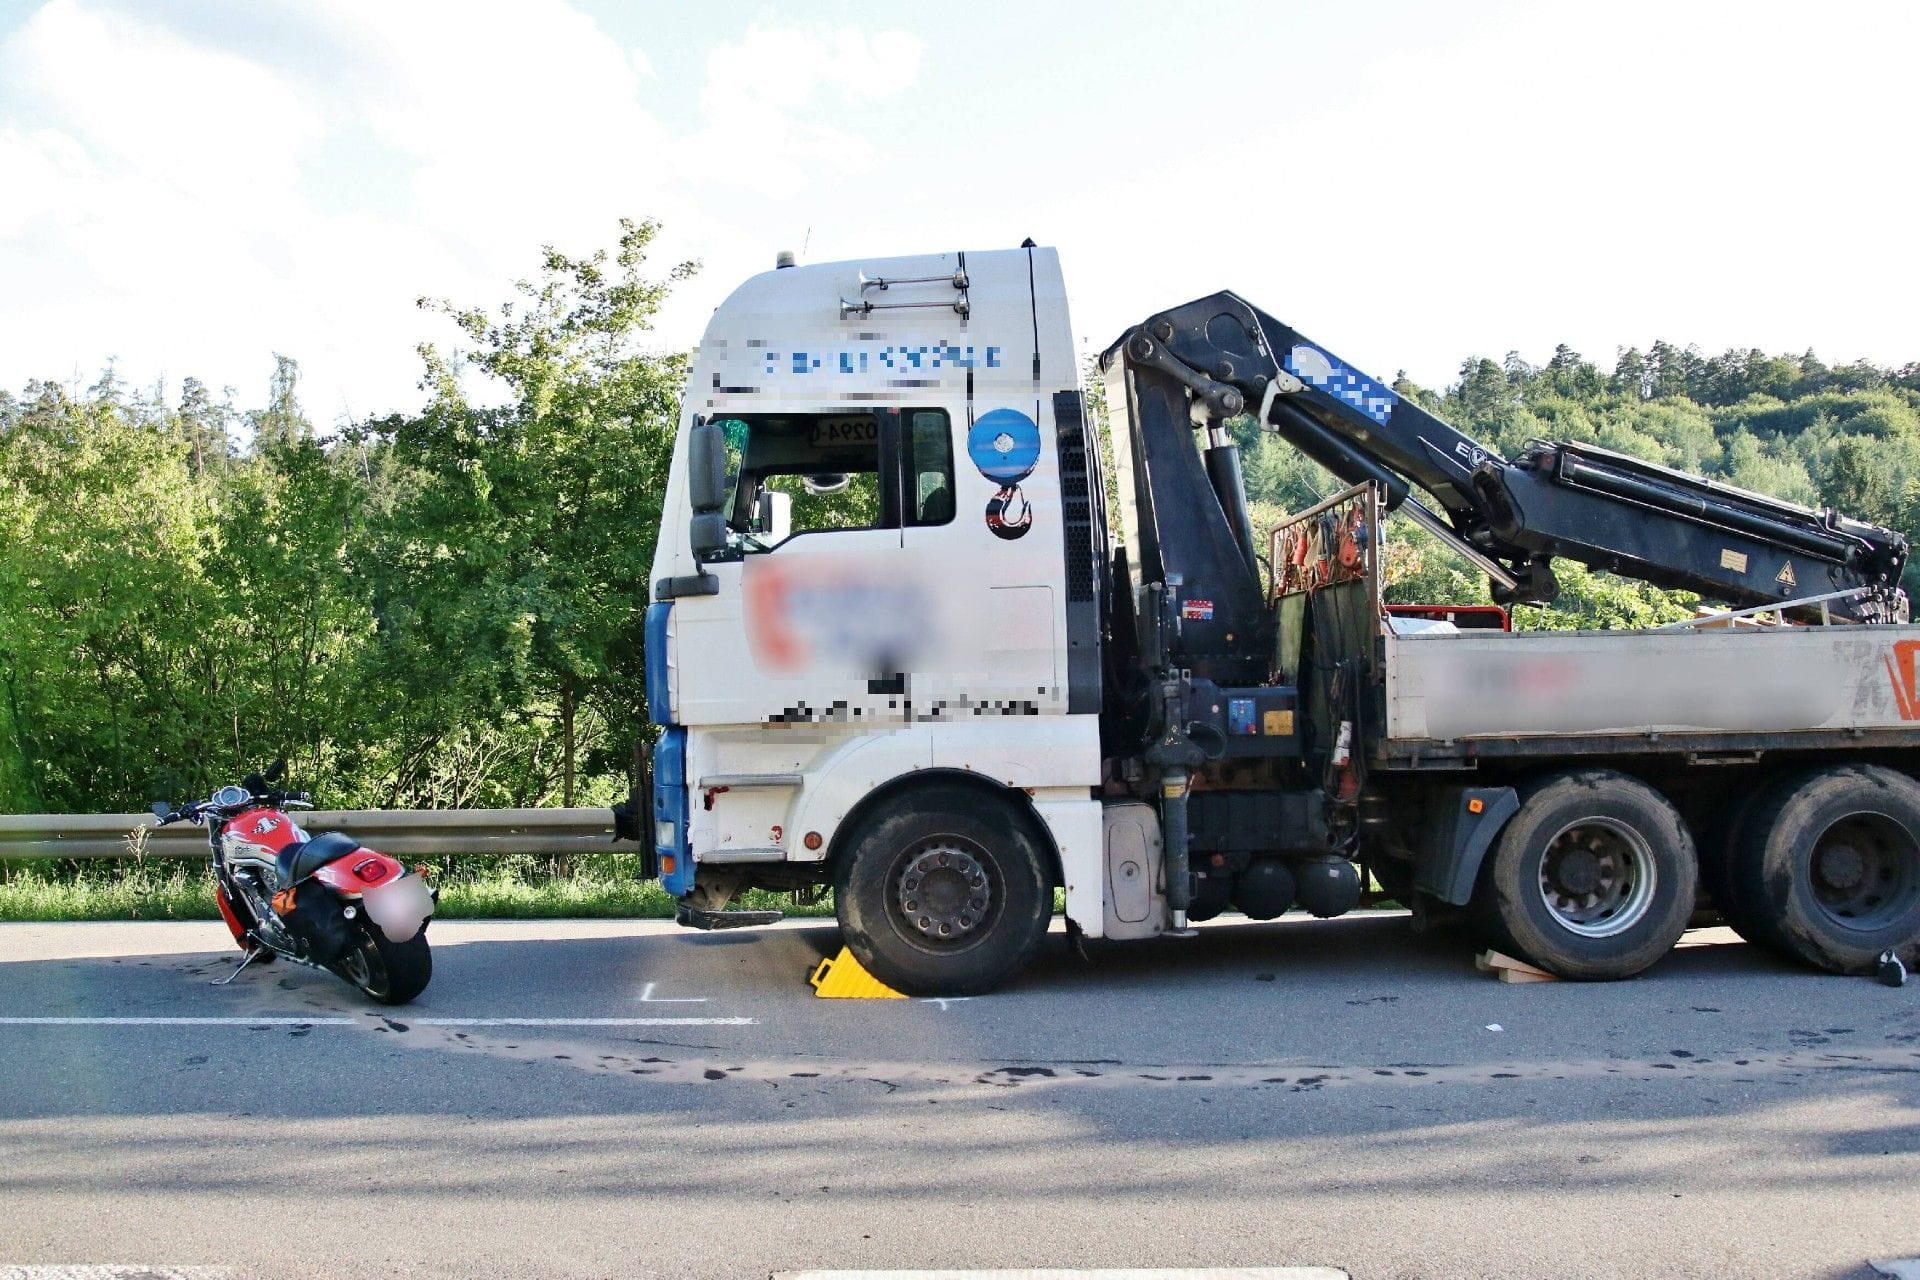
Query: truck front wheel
<point x="1594" y="878"/>
<point x="1826" y="868"/>
<point x="943" y="893"/>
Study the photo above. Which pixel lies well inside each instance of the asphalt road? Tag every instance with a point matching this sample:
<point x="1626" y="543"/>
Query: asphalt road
<point x="1330" y="1093"/>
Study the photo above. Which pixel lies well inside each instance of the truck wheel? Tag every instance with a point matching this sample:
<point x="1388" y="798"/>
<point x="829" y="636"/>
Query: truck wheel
<point x="1719" y="852"/>
<point x="1594" y="878"/>
<point x="1827" y="868"/>
<point x="943" y="894"/>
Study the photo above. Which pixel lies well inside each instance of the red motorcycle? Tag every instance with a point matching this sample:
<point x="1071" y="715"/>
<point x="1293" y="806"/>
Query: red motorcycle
<point x="326" y="901"/>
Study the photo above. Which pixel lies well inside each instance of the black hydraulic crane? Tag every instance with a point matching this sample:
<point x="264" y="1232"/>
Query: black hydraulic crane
<point x="1197" y="365"/>
<point x="1192" y="629"/>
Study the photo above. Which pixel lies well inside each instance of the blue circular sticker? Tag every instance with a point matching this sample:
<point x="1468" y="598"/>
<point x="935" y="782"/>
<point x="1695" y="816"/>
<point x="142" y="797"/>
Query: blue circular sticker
<point x="1004" y="444"/>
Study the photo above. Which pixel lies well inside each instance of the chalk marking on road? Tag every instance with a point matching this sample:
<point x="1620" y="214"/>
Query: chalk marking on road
<point x="365" y="1022"/>
<point x="647" y="997"/>
<point x="943" y="1001"/>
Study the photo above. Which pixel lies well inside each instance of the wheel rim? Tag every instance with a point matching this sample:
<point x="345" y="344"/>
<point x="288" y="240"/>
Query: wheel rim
<point x="1865" y="871"/>
<point x="1597" y="877"/>
<point x="364" y="968"/>
<point x="945" y="893"/>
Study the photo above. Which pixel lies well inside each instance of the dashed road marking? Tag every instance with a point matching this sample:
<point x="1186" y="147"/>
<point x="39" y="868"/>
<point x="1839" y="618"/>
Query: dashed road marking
<point x="647" y="997"/>
<point x="1096" y="1273"/>
<point x="179" y="1022"/>
<point x="111" y="1271"/>
<point x="583" y="1022"/>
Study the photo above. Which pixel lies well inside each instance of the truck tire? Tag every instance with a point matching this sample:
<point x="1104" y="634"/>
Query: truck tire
<point x="1826" y="869"/>
<point x="943" y="894"/>
<point x="1594" y="878"/>
<point x="1719" y="852"/>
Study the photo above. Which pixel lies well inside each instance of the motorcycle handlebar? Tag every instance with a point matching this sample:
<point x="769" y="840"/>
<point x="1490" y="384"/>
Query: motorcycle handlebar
<point x="257" y="789"/>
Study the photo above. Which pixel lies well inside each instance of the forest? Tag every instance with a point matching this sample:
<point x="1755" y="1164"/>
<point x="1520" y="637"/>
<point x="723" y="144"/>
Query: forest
<point x="443" y="609"/>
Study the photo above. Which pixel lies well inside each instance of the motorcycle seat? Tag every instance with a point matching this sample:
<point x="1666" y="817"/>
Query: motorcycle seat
<point x="298" y="861"/>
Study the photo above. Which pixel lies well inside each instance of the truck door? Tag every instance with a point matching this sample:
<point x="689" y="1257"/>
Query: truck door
<point x="810" y="621"/>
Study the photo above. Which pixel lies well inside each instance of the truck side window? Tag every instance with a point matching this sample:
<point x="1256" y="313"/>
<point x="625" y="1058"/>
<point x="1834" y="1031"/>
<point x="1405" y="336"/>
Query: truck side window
<point x="929" y="466"/>
<point x="828" y="464"/>
<point x="856" y="506"/>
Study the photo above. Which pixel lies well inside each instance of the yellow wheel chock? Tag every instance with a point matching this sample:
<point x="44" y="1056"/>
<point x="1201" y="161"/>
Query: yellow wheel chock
<point x="845" y="978"/>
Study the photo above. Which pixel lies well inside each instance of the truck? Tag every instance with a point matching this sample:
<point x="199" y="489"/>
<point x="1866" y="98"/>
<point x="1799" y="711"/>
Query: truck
<point x="903" y="643"/>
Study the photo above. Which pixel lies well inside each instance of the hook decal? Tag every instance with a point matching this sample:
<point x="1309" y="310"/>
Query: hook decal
<point x="1005" y="445"/>
<point x="1009" y="514"/>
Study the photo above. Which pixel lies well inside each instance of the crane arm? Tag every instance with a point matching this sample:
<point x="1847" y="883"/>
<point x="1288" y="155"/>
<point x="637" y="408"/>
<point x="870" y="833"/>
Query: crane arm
<point x="1513" y="517"/>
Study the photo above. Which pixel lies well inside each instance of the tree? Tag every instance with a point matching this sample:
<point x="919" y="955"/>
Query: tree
<point x="1630" y="374"/>
<point x="206" y="426"/>
<point x="515" y="575"/>
<point x="1670" y="370"/>
<point x="282" y="422"/>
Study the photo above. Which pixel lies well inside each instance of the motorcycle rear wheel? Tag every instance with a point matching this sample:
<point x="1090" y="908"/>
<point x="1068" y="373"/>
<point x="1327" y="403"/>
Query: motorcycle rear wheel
<point x="390" y="972"/>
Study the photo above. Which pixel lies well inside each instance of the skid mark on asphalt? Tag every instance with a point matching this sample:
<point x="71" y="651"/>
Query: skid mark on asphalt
<point x="698" y="1067"/>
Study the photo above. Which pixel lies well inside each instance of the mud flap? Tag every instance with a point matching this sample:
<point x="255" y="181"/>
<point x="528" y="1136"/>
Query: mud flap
<point x="1461" y="825"/>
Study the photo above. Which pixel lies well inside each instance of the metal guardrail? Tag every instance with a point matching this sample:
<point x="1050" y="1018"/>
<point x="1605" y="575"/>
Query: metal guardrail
<point x="401" y="832"/>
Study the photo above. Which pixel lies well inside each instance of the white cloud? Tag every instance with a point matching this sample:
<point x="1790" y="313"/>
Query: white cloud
<point x="194" y="187"/>
<point x="757" y="133"/>
<point x="785" y="67"/>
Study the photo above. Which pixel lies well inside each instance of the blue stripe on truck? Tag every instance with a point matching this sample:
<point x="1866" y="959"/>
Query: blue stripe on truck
<point x="670" y="811"/>
<point x="659" y="694"/>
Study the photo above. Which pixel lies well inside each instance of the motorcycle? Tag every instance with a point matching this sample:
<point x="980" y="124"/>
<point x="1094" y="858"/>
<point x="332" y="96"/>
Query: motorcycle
<point x="324" y="901"/>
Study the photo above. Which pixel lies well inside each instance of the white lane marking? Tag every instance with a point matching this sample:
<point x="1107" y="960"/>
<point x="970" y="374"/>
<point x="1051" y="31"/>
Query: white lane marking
<point x="179" y="1022"/>
<point x="647" y="997"/>
<point x="362" y="1022"/>
<point x="114" y="1272"/>
<point x="581" y="1022"/>
<point x="1091" y="1273"/>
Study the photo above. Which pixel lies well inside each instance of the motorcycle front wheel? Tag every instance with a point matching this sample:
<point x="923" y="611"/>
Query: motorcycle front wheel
<point x="390" y="972"/>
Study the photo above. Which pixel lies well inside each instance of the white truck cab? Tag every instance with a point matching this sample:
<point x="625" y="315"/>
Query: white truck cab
<point x="882" y="615"/>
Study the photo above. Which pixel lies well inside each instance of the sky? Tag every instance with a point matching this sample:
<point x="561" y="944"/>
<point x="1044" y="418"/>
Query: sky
<point x="191" y="186"/>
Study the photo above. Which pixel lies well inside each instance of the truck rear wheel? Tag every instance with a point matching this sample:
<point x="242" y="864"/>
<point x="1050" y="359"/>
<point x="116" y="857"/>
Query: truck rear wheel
<point x="1594" y="878"/>
<point x="1826" y="868"/>
<point x="943" y="894"/>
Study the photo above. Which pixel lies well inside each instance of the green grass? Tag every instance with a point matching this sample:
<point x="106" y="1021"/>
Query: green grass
<point x="598" y="885"/>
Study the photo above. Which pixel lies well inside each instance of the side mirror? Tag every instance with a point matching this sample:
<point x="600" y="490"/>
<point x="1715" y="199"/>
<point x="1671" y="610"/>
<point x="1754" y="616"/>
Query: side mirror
<point x="707" y="467"/>
<point x="825" y="483"/>
<point x="276" y="770"/>
<point x="160" y="809"/>
<point x="774" y="519"/>
<point x="708" y="533"/>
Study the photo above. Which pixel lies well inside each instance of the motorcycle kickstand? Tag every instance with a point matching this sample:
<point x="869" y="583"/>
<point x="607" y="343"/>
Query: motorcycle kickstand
<point x="253" y="954"/>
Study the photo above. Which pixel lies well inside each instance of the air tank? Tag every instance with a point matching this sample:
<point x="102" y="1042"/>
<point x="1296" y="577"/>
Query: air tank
<point x="1264" y="890"/>
<point x="1327" y="886"/>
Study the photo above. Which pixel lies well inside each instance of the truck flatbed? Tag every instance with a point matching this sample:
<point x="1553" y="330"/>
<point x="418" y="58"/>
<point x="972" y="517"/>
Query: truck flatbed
<point x="1500" y="693"/>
